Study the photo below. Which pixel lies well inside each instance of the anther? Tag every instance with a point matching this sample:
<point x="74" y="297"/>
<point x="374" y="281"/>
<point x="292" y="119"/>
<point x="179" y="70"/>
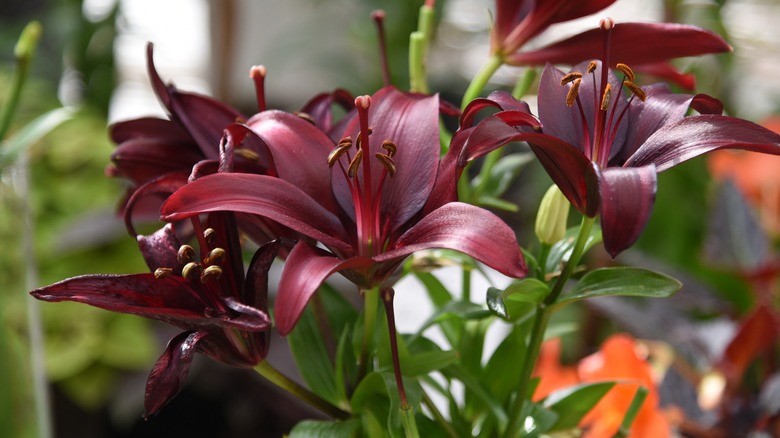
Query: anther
<point x="336" y="153"/>
<point x="355" y="163"/>
<point x="346" y="140"/>
<point x="571" y="77"/>
<point x="210" y="235"/>
<point x="606" y="97"/>
<point x="571" y="96"/>
<point x="592" y="66"/>
<point x="387" y="162"/>
<point x="306" y="117"/>
<point x="212" y="272"/>
<point x="191" y="270"/>
<point x="390" y="147"/>
<point x="162" y="272"/>
<point x="185" y="254"/>
<point x="360" y="137"/>
<point x="216" y="255"/>
<point x="606" y="23"/>
<point x="634" y="88"/>
<point x="247" y="154"/>
<point x="626" y="70"/>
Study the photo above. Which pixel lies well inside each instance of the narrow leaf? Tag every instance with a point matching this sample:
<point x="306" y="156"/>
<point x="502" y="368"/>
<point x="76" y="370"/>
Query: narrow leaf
<point x="573" y="403"/>
<point x="622" y="281"/>
<point x="529" y="290"/>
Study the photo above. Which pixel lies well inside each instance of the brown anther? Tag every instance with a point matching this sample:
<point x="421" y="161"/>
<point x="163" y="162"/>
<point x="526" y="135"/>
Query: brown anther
<point x="336" y="153"/>
<point x="191" y="271"/>
<point x="185" y="254"/>
<point x="390" y="147"/>
<point x="212" y="272"/>
<point x="346" y="140"/>
<point x="307" y="117"/>
<point x="571" y="96"/>
<point x="355" y="163"/>
<point x="634" y="88"/>
<point x="162" y="272"/>
<point x="387" y="162"/>
<point x="217" y="255"/>
<point x="605" y="98"/>
<point x="360" y="137"/>
<point x="606" y="23"/>
<point x="592" y="66"/>
<point x="571" y="77"/>
<point x="210" y="235"/>
<point x="626" y="70"/>
<point x="247" y="154"/>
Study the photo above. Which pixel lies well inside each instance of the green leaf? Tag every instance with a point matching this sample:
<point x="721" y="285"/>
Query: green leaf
<point x="423" y="363"/>
<point x="32" y="133"/>
<point x="538" y="421"/>
<point x="475" y="387"/>
<point x="622" y="281"/>
<point x="572" y="403"/>
<point x="325" y="429"/>
<point x="529" y="290"/>
<point x="561" y="251"/>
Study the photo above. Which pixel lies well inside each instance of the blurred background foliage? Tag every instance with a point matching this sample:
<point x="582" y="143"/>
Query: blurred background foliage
<point x="97" y="361"/>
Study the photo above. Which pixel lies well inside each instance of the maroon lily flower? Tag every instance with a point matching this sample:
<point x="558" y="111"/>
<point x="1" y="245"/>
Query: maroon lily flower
<point x="364" y="198"/>
<point x="604" y="149"/>
<point x="223" y="314"/>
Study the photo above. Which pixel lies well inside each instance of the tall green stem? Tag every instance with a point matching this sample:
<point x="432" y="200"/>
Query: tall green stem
<point x="481" y="79"/>
<point x="23" y="52"/>
<point x="541" y="319"/>
<point x="274" y="376"/>
<point x="371" y="302"/>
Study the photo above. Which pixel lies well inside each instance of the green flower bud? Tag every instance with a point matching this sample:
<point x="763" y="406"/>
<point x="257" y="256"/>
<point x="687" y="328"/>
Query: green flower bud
<point x="551" y="218"/>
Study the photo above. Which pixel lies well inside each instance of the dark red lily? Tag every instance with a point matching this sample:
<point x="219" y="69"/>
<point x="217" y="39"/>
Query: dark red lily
<point x="223" y="314"/>
<point x="363" y="198"/>
<point x="603" y="148"/>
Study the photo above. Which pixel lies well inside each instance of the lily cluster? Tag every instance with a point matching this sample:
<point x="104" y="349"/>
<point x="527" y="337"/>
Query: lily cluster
<point x="358" y="195"/>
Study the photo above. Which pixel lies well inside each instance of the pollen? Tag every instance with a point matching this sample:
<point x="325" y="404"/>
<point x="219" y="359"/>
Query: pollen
<point x="186" y="254"/>
<point x="344" y="145"/>
<point x="217" y="255"/>
<point x="306" y="116"/>
<point x="626" y="70"/>
<point x="162" y="272"/>
<point x="390" y="147"/>
<point x="355" y="163"/>
<point x="592" y="66"/>
<point x="571" y="96"/>
<point x="210" y="235"/>
<point x="605" y="98"/>
<point x="387" y="163"/>
<point x="211" y="273"/>
<point x="636" y="90"/>
<point x="248" y="154"/>
<point x="571" y="77"/>
<point x="191" y="271"/>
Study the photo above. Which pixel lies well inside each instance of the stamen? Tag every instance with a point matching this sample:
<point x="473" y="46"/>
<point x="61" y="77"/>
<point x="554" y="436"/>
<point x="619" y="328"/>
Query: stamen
<point x="571" y="77"/>
<point x="306" y="117"/>
<point x="247" y="154"/>
<point x="210" y="235"/>
<point x="336" y="153"/>
<point x="162" y="272"/>
<point x="592" y="66"/>
<point x="217" y="255"/>
<point x="360" y="137"/>
<point x="355" y="164"/>
<point x="626" y="71"/>
<point x="387" y="162"/>
<point x="571" y="96"/>
<point x="186" y="254"/>
<point x="347" y="139"/>
<point x="191" y="271"/>
<point x="257" y="73"/>
<point x="636" y="90"/>
<point x="212" y="272"/>
<point x="605" y="98"/>
<point x="390" y="147"/>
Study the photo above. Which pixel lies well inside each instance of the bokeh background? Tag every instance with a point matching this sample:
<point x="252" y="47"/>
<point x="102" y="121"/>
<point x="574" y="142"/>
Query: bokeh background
<point x="91" y="59"/>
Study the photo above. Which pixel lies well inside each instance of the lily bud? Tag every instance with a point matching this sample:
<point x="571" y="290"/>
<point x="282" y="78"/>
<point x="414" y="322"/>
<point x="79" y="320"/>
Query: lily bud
<point x="551" y="218"/>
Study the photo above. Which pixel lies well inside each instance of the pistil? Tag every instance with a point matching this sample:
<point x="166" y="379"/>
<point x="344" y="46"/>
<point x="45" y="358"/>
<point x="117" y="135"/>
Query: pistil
<point x="257" y="73"/>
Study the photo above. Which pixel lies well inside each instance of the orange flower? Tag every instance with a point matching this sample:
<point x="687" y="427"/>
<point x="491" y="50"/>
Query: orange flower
<point x="756" y="175"/>
<point x="618" y="359"/>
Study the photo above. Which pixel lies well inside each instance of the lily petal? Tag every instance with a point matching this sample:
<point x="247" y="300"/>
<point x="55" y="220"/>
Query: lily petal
<point x="170" y="371"/>
<point x="696" y="135"/>
<point x="160" y="248"/>
<point x="304" y="272"/>
<point x="262" y="195"/>
<point x="627" y="198"/>
<point x="630" y="43"/>
<point x="465" y="228"/>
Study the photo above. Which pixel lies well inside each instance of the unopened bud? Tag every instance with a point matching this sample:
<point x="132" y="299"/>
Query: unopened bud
<point x="551" y="218"/>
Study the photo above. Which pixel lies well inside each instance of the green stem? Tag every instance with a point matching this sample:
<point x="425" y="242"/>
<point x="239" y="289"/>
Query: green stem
<point x="466" y="284"/>
<point x="418" y="50"/>
<point x="541" y="319"/>
<point x="481" y="79"/>
<point x="408" y="422"/>
<point x="23" y="52"/>
<point x="274" y="376"/>
<point x="371" y="302"/>
<point x="632" y="412"/>
<point x="484" y="174"/>
<point x="524" y="83"/>
<point x="437" y="415"/>
<point x="544" y="252"/>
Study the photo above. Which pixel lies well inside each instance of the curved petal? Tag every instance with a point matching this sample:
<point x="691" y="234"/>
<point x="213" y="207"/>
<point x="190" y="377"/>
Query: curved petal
<point x="696" y="135"/>
<point x="630" y="43"/>
<point x="162" y="186"/>
<point x="148" y="127"/>
<point x="262" y="195"/>
<point x="411" y="121"/>
<point x="320" y="107"/>
<point x="170" y="371"/>
<point x="575" y="175"/>
<point x="203" y="117"/>
<point x="501" y="100"/>
<point x="143" y="159"/>
<point x="304" y="272"/>
<point x="627" y="198"/>
<point x="465" y="228"/>
<point x="160" y="249"/>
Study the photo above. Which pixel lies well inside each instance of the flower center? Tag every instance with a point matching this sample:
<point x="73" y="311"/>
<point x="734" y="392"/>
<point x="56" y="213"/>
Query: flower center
<point x="609" y="108"/>
<point x="356" y="169"/>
